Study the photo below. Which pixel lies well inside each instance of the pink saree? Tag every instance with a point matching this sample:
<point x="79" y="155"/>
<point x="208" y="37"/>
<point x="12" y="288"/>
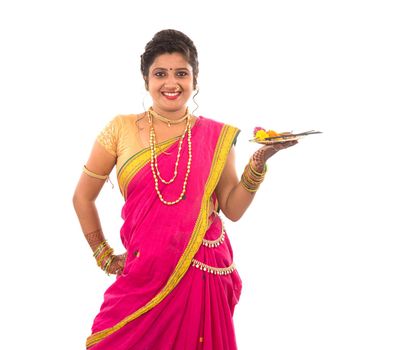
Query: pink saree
<point x="179" y="287"/>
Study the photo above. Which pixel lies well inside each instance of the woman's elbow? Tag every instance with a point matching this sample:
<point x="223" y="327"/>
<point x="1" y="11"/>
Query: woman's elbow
<point x="79" y="199"/>
<point x="76" y="200"/>
<point x="233" y="216"/>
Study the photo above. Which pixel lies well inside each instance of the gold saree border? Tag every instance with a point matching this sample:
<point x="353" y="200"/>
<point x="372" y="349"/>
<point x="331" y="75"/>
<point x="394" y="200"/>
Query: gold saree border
<point x="225" y="141"/>
<point x="132" y="166"/>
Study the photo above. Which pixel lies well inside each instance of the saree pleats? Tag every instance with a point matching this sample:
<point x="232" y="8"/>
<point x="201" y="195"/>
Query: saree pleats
<point x="161" y="301"/>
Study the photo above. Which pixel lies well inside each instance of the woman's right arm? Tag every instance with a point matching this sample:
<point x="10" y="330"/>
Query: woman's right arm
<point x="88" y="188"/>
<point x="100" y="162"/>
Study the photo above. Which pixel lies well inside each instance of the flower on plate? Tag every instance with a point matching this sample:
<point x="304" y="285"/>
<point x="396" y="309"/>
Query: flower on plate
<point x="257" y="129"/>
<point x="272" y="133"/>
<point x="261" y="134"/>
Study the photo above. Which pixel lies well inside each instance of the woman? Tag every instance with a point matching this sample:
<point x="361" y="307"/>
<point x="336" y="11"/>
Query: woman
<point x="176" y="285"/>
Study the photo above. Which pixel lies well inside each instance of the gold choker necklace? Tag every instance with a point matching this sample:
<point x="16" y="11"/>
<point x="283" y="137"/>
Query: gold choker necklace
<point x="169" y="122"/>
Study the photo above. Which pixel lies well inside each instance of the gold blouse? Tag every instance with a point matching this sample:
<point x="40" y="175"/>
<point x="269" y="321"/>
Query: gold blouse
<point x="120" y="137"/>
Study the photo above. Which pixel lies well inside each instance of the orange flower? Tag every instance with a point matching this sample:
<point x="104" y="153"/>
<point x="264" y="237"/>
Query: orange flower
<point x="272" y="133"/>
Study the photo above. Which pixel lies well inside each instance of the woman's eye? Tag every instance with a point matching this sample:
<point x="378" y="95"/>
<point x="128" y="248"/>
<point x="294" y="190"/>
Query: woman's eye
<point x="182" y="74"/>
<point x="159" y="74"/>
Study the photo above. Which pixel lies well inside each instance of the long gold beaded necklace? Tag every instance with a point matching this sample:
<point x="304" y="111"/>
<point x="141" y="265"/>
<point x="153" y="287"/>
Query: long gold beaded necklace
<point x="154" y="163"/>
<point x="177" y="159"/>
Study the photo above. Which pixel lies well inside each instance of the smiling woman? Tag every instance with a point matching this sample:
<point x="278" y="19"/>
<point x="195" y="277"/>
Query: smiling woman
<point x="176" y="285"/>
<point x="170" y="83"/>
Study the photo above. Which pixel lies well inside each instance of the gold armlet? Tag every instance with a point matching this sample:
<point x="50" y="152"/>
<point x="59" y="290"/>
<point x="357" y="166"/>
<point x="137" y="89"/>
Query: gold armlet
<point x="96" y="176"/>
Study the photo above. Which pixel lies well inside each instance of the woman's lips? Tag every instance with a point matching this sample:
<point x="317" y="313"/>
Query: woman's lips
<point x="171" y="95"/>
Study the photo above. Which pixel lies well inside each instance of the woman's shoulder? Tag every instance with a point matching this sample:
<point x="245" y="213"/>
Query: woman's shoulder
<point x="124" y="122"/>
<point x="127" y="118"/>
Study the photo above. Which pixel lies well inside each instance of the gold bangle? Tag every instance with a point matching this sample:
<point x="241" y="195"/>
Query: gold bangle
<point x="249" y="186"/>
<point x="252" y="190"/>
<point x="99" y="249"/>
<point x="251" y="180"/>
<point x="105" y="254"/>
<point x="255" y="171"/>
<point x="251" y="177"/>
<point x="254" y="176"/>
<point x="108" y="263"/>
<point x="92" y="174"/>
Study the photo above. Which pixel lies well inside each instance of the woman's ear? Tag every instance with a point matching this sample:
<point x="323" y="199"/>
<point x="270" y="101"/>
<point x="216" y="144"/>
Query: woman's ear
<point x="146" y="83"/>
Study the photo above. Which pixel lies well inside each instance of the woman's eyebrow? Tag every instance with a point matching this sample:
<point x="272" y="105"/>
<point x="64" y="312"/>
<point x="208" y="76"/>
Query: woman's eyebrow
<point x="161" y="68"/>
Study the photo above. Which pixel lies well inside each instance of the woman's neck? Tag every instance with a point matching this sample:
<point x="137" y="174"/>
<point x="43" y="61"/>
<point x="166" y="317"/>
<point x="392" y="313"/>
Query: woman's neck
<point x="171" y="114"/>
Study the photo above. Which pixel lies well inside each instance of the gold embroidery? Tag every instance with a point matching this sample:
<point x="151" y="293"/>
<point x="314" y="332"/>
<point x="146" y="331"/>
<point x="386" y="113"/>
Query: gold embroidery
<point x="214" y="270"/>
<point x="135" y="163"/>
<point x="220" y="240"/>
<point x="108" y="136"/>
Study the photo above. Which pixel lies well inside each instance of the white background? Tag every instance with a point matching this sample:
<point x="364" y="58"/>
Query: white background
<point x="323" y="250"/>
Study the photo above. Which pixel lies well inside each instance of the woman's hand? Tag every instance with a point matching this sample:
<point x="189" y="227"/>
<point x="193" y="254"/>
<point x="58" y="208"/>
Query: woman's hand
<point x="117" y="264"/>
<point x="260" y="157"/>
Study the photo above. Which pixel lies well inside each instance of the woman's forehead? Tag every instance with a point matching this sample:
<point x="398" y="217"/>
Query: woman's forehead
<point x="169" y="61"/>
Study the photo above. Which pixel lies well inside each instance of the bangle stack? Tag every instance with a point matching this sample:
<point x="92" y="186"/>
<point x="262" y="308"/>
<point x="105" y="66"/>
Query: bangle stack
<point x="104" y="256"/>
<point x="252" y="179"/>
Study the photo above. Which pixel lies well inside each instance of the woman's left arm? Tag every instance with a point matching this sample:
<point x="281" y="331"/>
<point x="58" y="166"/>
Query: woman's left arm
<point x="233" y="198"/>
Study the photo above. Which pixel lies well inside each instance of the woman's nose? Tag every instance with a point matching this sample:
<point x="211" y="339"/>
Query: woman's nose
<point x="171" y="86"/>
<point x="170" y="81"/>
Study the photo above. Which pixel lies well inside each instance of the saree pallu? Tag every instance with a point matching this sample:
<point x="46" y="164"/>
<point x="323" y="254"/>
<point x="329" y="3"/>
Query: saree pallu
<point x="166" y="298"/>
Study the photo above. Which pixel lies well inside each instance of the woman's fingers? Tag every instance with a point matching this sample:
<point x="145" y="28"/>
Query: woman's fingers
<point x="281" y="145"/>
<point x="117" y="265"/>
<point x="269" y="150"/>
<point x="290" y="143"/>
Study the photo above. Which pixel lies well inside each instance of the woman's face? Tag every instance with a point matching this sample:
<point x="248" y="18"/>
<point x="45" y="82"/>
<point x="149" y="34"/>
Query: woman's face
<point x="170" y="83"/>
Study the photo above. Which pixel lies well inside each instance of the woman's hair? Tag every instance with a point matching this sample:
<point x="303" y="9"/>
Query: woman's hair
<point x="169" y="41"/>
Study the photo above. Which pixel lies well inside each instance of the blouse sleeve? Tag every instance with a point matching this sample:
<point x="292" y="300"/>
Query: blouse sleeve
<point x="109" y="136"/>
